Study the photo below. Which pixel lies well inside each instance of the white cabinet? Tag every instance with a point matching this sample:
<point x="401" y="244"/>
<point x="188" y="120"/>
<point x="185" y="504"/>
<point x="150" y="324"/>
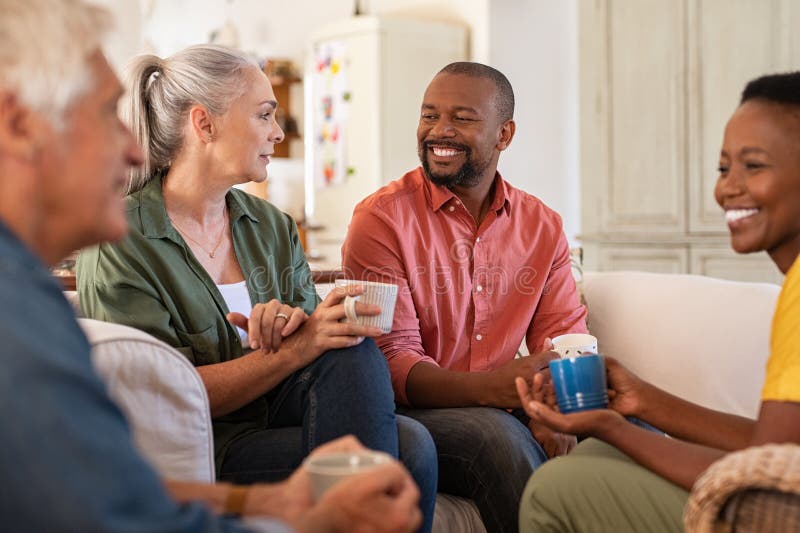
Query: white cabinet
<point x="659" y="80"/>
<point x="722" y="262"/>
<point x="665" y="259"/>
<point x="387" y="63"/>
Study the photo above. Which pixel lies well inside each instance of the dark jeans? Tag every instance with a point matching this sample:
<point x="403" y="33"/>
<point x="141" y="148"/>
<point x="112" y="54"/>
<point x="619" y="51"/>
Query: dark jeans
<point x="485" y="454"/>
<point x="343" y="392"/>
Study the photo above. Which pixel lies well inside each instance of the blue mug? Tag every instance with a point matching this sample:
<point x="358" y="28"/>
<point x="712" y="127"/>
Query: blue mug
<point x="580" y="383"/>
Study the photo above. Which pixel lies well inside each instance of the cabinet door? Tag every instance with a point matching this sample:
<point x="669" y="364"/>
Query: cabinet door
<point x="663" y="259"/>
<point x="722" y="262"/>
<point x="633" y="115"/>
<point x="730" y="43"/>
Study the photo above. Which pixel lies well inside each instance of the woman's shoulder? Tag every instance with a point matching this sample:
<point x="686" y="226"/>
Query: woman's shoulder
<point x="790" y="290"/>
<point x="110" y="260"/>
<point x="135" y="207"/>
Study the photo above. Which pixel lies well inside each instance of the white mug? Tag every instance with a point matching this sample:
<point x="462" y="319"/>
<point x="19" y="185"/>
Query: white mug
<point x="575" y="344"/>
<point x="384" y="295"/>
<point x="327" y="470"/>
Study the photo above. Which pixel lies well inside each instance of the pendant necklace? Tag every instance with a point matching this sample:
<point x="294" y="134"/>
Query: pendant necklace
<point x="213" y="251"/>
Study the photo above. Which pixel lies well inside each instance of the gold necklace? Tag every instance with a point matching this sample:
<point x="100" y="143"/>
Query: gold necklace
<point x="213" y="251"/>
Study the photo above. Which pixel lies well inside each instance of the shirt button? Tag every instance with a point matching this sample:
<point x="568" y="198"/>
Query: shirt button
<point x="477" y="240"/>
<point x="451" y="208"/>
<point x="479" y="288"/>
<point x="478" y="337"/>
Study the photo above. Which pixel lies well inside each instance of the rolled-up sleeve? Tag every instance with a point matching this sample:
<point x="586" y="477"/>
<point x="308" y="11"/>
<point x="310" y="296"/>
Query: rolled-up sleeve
<point x="372" y="252"/>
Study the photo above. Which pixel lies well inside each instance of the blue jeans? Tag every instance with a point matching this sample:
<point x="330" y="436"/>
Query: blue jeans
<point x="486" y="455"/>
<point x="343" y="392"/>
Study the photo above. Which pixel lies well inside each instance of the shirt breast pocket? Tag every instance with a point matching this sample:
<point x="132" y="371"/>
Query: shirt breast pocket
<point x="204" y="345"/>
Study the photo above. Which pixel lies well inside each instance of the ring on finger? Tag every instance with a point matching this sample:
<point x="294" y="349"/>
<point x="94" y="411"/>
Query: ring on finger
<point x="282" y="315"/>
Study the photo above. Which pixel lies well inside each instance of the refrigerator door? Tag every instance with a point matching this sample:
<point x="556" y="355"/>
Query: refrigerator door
<point x="365" y="78"/>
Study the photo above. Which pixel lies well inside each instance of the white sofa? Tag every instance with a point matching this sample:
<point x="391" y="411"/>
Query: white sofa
<point x="701" y="338"/>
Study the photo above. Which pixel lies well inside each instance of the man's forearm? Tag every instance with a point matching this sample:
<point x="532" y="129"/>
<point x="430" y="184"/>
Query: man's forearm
<point x="261" y="499"/>
<point x="429" y="386"/>
<point x="213" y="495"/>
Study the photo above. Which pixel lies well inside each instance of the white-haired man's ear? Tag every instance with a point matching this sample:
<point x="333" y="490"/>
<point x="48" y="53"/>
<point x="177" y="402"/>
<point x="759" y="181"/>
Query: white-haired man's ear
<point x="21" y="128"/>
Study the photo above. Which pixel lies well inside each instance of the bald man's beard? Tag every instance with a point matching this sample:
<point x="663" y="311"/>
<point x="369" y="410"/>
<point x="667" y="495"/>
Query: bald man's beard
<point x="468" y="175"/>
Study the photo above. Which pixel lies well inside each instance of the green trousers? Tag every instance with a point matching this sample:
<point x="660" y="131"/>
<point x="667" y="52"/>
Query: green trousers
<point x="597" y="489"/>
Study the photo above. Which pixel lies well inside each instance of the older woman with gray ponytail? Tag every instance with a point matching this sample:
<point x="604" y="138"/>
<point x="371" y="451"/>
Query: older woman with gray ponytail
<point x="220" y="275"/>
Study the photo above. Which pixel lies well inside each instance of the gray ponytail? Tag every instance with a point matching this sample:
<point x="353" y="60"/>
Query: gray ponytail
<point x="163" y="90"/>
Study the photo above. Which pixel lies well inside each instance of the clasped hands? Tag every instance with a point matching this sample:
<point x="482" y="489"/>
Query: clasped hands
<point x="274" y="324"/>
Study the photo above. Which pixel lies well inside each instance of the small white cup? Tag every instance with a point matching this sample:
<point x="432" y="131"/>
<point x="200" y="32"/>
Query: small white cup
<point x="575" y="344"/>
<point x="326" y="471"/>
<point x="384" y="295"/>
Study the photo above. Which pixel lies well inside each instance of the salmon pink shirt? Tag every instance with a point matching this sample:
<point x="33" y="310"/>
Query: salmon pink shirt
<point x="467" y="295"/>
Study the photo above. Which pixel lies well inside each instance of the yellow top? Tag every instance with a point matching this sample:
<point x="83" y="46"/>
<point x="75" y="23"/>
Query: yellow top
<point x="783" y="367"/>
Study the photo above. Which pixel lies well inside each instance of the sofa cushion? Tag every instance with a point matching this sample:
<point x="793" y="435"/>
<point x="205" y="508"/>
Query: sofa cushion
<point x="162" y="396"/>
<point x="703" y="339"/>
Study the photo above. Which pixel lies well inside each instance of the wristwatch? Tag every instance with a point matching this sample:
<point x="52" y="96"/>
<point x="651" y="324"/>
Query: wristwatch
<point x="234" y="503"/>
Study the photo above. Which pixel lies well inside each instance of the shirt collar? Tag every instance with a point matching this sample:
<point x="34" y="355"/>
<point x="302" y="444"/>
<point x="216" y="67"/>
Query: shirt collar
<point x="155" y="221"/>
<point x="500" y="201"/>
<point x="13" y="250"/>
<point x="440" y="195"/>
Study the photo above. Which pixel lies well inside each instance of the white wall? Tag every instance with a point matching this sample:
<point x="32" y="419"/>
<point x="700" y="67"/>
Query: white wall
<point x="125" y="39"/>
<point x="472" y="13"/>
<point x="535" y="44"/>
<point x="269" y="28"/>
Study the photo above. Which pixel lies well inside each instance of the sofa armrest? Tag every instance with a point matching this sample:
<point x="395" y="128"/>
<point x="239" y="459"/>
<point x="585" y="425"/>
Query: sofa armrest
<point x="74" y="301"/>
<point x="162" y="397"/>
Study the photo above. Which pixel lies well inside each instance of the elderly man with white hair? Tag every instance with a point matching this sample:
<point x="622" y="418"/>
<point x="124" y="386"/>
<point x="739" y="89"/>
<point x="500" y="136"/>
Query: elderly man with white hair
<point x="68" y="461"/>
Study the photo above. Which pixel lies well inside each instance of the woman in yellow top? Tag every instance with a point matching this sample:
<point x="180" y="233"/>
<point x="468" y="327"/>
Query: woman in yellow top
<point x="630" y="479"/>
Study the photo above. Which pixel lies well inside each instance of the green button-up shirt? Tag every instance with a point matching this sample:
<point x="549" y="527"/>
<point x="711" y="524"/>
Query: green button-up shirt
<point x="153" y="282"/>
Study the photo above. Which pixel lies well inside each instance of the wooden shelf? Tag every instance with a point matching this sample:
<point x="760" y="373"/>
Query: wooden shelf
<point x="281" y="85"/>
